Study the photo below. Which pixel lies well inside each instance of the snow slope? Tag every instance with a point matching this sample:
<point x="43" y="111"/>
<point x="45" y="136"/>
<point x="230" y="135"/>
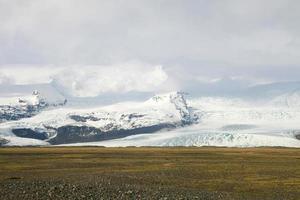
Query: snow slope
<point x="271" y="119"/>
<point x="18" y="101"/>
<point x="18" y="141"/>
<point x="10" y="94"/>
<point x="200" y="138"/>
<point x="65" y="125"/>
<point x="225" y="122"/>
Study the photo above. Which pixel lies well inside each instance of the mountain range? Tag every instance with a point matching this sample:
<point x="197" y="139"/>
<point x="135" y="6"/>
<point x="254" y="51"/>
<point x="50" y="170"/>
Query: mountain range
<point x="262" y="115"/>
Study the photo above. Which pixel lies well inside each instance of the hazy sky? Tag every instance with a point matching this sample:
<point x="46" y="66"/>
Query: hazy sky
<point x="190" y="39"/>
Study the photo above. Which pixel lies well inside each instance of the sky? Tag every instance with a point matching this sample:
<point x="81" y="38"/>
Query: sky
<point x="144" y="45"/>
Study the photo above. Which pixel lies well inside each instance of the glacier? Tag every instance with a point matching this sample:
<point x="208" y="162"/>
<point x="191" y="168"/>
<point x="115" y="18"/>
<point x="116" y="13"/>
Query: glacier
<point x="68" y="124"/>
<point x="168" y="119"/>
<point x="225" y="122"/>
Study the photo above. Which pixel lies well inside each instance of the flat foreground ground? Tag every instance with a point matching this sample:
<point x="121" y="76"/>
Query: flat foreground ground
<point x="149" y="173"/>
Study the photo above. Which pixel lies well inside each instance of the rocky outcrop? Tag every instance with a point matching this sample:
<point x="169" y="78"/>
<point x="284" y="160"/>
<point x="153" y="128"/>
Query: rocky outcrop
<point x="3" y="141"/>
<point x="73" y="134"/>
<point x="26" y="107"/>
<point x="8" y="113"/>
<point x="29" y="133"/>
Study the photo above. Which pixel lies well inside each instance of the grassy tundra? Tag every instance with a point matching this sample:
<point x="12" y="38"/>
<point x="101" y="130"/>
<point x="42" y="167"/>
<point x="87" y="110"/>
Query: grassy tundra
<point x="149" y="173"/>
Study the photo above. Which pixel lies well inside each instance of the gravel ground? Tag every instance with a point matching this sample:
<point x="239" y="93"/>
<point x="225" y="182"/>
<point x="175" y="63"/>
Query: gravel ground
<point x="149" y="173"/>
<point x="94" y="188"/>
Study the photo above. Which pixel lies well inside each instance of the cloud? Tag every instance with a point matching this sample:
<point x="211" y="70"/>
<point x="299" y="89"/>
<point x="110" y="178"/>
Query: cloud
<point x="209" y="37"/>
<point x="5" y="80"/>
<point x="29" y="74"/>
<point x="94" y="80"/>
<point x="90" y="81"/>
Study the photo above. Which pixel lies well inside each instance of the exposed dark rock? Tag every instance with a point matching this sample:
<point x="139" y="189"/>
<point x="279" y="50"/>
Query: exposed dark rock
<point x="79" y="118"/>
<point x="131" y="116"/>
<point x="3" y="141"/>
<point x="29" y="133"/>
<point x="8" y="112"/>
<point x="73" y="134"/>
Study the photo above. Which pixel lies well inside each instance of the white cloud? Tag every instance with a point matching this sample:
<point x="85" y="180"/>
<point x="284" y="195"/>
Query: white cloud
<point x="4" y="79"/>
<point x="29" y="74"/>
<point x="89" y="81"/>
<point x="95" y="80"/>
<point x="218" y="38"/>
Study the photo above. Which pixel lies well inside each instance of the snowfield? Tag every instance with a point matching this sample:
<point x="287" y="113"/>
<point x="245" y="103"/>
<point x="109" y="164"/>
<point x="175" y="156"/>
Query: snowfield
<point x="18" y="141"/>
<point x="163" y="120"/>
<point x="199" y="138"/>
<point x="225" y="122"/>
<point x="68" y="125"/>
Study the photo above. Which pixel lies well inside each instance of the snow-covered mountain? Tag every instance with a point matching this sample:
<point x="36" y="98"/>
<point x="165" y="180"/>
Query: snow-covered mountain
<point x="37" y="115"/>
<point x="17" y="102"/>
<point x="225" y="122"/>
<point x="66" y="125"/>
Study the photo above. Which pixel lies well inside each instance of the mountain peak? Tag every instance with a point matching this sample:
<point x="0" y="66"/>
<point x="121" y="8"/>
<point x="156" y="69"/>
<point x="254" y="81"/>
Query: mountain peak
<point x="176" y="99"/>
<point x="171" y="96"/>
